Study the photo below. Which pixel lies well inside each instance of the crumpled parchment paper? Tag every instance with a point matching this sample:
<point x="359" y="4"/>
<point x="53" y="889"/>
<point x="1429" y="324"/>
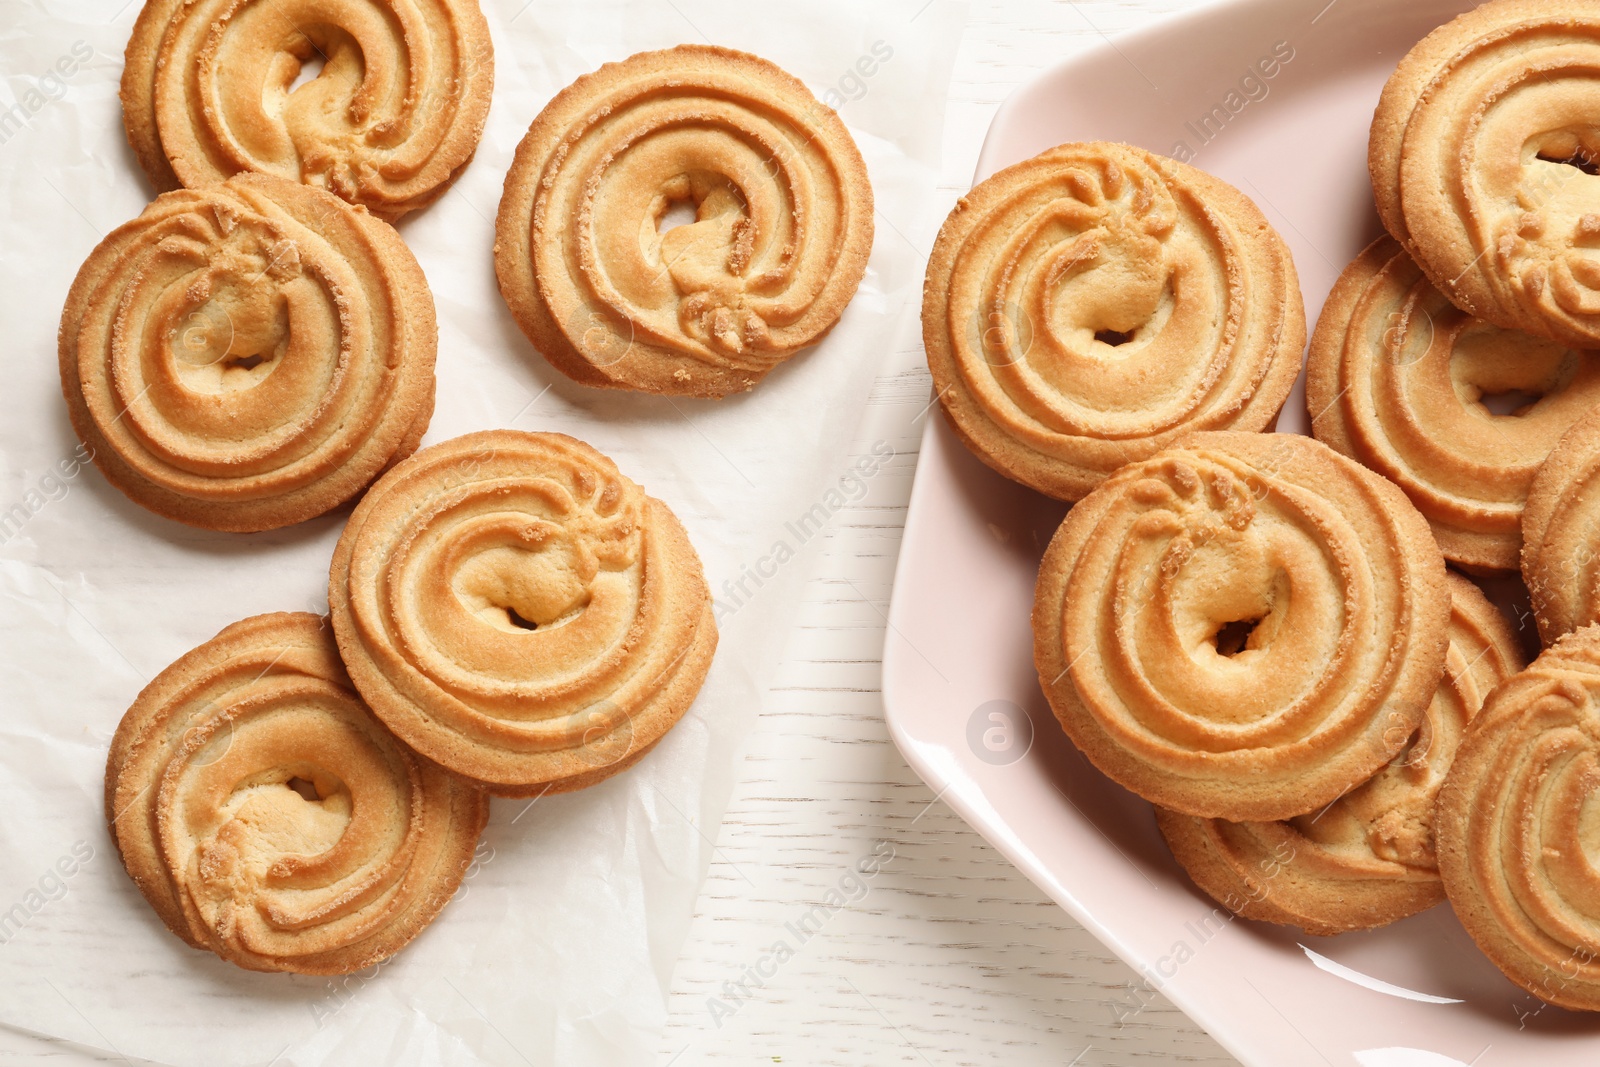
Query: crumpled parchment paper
<point x="559" y="948"/>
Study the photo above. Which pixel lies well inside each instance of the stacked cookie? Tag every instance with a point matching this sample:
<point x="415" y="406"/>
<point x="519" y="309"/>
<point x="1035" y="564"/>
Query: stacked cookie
<point x="1258" y="632"/>
<point x="1516" y="825"/>
<point x="1368" y="857"/>
<point x="1397" y="378"/>
<point x="1242" y="626"/>
<point x="509" y="613"/>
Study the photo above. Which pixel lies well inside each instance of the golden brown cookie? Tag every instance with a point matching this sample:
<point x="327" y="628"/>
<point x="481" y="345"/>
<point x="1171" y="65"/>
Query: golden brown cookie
<point x="1368" y="858"/>
<point x="1088" y="307"/>
<point x="782" y="229"/>
<point x="1518" y="825"/>
<point x="392" y="117"/>
<point x="520" y="612"/>
<point x="249" y="355"/>
<point x="266" y="814"/>
<point x="1243" y="626"/>
<point x="1483" y="153"/>
<point x="1560" y="552"/>
<point x="1398" y="378"/>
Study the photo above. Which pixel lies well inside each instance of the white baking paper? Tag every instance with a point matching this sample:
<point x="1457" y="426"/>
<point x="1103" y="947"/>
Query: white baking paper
<point x="559" y="948"/>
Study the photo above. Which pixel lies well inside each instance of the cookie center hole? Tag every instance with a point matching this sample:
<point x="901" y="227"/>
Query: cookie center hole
<point x="1577" y="159"/>
<point x="678" y="213"/>
<point x="1416" y="751"/>
<point x="519" y="622"/>
<point x="1509" y="402"/>
<point x="310" y="70"/>
<point x="250" y="362"/>
<point x="305" y="787"/>
<point x="1234" y="636"/>
<point x="1113" y="337"/>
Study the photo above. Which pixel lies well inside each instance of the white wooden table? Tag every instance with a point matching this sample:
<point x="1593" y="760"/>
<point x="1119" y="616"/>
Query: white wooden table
<point x="946" y="956"/>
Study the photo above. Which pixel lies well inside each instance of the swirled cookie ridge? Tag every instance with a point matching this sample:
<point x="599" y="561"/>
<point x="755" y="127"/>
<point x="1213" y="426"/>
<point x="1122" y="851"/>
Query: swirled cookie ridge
<point x="1401" y="380"/>
<point x="1560" y="563"/>
<point x="1518" y="845"/>
<point x="1482" y="156"/>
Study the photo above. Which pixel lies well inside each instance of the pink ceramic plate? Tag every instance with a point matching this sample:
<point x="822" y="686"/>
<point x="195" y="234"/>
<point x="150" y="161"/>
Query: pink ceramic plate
<point x="962" y="699"/>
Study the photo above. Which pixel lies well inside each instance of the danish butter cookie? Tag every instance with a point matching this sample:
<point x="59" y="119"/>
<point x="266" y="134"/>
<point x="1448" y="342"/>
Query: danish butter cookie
<point x="249" y="355"/>
<point x="266" y="814"/>
<point x="1560" y="556"/>
<point x="1483" y="155"/>
<point x="779" y="242"/>
<point x="392" y="117"/>
<point x="1518" y="825"/>
<point x="520" y="612"/>
<point x="1399" y="378"/>
<point x="1242" y="626"/>
<point x="1086" y="308"/>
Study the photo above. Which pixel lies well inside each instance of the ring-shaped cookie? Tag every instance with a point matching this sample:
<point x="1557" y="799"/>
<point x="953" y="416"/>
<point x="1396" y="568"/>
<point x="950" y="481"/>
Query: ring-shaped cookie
<point x="1484" y="155"/>
<point x="1400" y="379"/>
<point x="783" y="223"/>
<point x="1516" y="822"/>
<point x="520" y="612"/>
<point x="1244" y="626"/>
<point x="394" y="114"/>
<point x="1560" y="558"/>
<point x="249" y="355"/>
<point x="266" y="814"/>
<point x="1087" y="307"/>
